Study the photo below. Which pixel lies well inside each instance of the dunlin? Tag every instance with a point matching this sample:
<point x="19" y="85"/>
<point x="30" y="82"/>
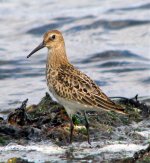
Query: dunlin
<point x="72" y="88"/>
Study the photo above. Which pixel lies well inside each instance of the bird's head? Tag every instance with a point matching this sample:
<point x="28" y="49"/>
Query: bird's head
<point x="52" y="39"/>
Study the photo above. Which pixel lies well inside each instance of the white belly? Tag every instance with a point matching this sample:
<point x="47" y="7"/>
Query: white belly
<point x="72" y="107"/>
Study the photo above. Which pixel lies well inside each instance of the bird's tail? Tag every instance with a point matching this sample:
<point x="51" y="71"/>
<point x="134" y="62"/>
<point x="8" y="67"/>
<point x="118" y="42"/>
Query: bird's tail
<point x="119" y="109"/>
<point x="112" y="106"/>
<point x="109" y="105"/>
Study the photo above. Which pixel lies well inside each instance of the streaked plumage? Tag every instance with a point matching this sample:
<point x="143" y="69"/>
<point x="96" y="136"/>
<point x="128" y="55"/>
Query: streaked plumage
<point x="72" y="88"/>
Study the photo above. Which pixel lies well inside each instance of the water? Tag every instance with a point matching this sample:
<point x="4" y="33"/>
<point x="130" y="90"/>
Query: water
<point x="108" y="40"/>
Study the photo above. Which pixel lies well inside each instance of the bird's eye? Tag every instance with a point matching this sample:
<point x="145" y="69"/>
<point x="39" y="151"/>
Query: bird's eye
<point x="53" y="37"/>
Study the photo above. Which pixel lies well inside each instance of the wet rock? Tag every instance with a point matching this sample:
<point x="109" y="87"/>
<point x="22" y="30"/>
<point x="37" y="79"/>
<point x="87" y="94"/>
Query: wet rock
<point x="142" y="152"/>
<point x="3" y="140"/>
<point x="135" y="108"/>
<point x="19" y="116"/>
<point x="1" y="119"/>
<point x="44" y="107"/>
<point x="48" y="120"/>
<point x="17" y="160"/>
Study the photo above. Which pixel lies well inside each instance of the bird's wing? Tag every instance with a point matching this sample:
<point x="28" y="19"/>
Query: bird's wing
<point x="75" y="85"/>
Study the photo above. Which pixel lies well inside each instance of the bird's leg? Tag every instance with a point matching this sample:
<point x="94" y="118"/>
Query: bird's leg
<point x="87" y="126"/>
<point x="71" y="129"/>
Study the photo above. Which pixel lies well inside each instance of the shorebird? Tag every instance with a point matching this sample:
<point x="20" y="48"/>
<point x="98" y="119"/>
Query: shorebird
<point x="71" y="88"/>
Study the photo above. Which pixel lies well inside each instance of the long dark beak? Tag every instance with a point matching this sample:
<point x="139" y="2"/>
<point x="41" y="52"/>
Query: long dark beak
<point x="36" y="49"/>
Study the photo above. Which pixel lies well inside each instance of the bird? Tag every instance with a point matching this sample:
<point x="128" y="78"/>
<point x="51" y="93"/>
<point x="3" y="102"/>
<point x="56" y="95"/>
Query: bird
<point x="72" y="88"/>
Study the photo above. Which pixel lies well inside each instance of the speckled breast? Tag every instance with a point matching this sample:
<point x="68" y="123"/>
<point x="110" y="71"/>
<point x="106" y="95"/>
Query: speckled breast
<point x="51" y="77"/>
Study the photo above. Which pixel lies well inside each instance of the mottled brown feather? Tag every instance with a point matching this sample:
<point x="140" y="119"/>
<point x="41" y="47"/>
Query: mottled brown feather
<point x="72" y="84"/>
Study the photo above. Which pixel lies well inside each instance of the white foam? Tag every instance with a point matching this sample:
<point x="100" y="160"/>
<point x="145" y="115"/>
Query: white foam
<point x="145" y="134"/>
<point x="123" y="147"/>
<point x="47" y="148"/>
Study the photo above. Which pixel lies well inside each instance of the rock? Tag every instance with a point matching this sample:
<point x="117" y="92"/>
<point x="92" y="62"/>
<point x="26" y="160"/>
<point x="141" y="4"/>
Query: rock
<point x="48" y="120"/>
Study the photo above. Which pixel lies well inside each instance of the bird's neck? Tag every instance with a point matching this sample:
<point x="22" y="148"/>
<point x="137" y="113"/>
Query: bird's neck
<point x="57" y="57"/>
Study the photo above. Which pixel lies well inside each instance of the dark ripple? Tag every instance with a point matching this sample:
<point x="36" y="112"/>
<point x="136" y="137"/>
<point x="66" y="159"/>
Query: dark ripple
<point x="43" y="29"/>
<point x="114" y="64"/>
<point x="60" y="22"/>
<point x="10" y="62"/>
<point x="109" y="55"/>
<point x="141" y="7"/>
<point x="146" y="81"/>
<point x="63" y="18"/>
<point x="18" y="69"/>
<point x="20" y="73"/>
<point x="101" y="83"/>
<point x="125" y="70"/>
<point x="109" y="25"/>
<point x="73" y="18"/>
<point x="118" y="61"/>
<point x="57" y="23"/>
